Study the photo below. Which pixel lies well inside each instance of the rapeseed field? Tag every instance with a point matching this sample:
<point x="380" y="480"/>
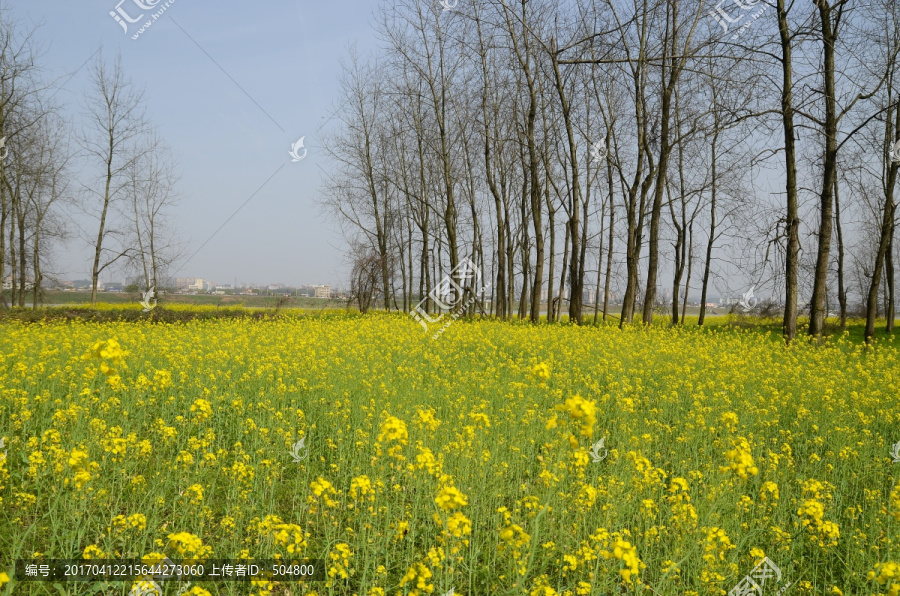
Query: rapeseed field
<point x="498" y="459"/>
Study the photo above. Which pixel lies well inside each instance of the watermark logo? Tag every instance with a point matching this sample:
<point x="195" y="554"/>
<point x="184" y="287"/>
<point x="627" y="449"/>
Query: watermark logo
<point x="295" y="148"/>
<point x="895" y="152"/>
<point x="599" y="151"/>
<point x="895" y="451"/>
<point x="595" y="451"/>
<point x="448" y="6"/>
<point x="755" y="581"/>
<point x="449" y="295"/>
<point x="726" y="20"/>
<point x="4" y="150"/>
<point x="148" y="296"/>
<point x="124" y="19"/>
<point x="296" y="448"/>
<point x="748" y="301"/>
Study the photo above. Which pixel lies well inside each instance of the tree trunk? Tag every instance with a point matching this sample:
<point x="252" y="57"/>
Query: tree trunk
<point x="536" y="207"/>
<point x="23" y="277"/>
<point x="551" y="215"/>
<point x="537" y="220"/>
<point x="526" y="246"/>
<point x="492" y="185"/>
<point x="792" y="217"/>
<point x="680" y="228"/>
<point x="674" y="71"/>
<point x="576" y="269"/>
<point x="583" y="243"/>
<point x="842" y="294"/>
<point x="632" y="249"/>
<point x="826" y="199"/>
<point x="656" y="210"/>
<point x="36" y="266"/>
<point x="510" y="254"/>
<point x="883" y="244"/>
<point x="13" y="263"/>
<point x="562" y="277"/>
<point x="883" y="253"/>
<point x="599" y="264"/>
<point x="609" y="257"/>
<point x="4" y="211"/>
<point x="98" y="247"/>
<point x="690" y="266"/>
<point x="889" y="272"/>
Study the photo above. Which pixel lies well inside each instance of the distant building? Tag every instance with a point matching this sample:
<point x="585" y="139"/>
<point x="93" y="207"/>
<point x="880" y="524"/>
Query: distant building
<point x="191" y="284"/>
<point x="323" y="291"/>
<point x="8" y="282"/>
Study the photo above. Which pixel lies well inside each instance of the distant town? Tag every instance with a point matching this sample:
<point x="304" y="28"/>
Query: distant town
<point x="197" y="285"/>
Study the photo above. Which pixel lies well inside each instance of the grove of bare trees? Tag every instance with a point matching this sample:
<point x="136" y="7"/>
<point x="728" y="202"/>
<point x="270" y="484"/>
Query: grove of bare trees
<point x="638" y="149"/>
<point x="111" y="170"/>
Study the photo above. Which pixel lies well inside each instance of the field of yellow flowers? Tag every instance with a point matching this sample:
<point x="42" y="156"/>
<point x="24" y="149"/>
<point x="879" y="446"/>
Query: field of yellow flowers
<point x="469" y="463"/>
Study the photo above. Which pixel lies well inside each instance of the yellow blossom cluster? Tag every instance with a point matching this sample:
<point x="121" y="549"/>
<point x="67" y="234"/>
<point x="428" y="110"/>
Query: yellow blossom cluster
<point x="888" y="575"/>
<point x="825" y="533"/>
<point x="461" y="463"/>
<point x="582" y="412"/>
<point x="624" y="551"/>
<point x="740" y="460"/>
<point x="450" y="498"/>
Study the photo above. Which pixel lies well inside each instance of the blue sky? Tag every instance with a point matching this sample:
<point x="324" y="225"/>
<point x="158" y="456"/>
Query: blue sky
<point x="285" y="54"/>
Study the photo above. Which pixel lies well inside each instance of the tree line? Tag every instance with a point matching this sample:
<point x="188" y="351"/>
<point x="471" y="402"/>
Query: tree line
<point x="98" y="173"/>
<point x="620" y="145"/>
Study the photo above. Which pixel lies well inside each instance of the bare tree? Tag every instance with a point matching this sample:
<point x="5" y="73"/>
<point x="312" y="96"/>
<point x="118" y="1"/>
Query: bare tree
<point x="20" y="110"/>
<point x="831" y="20"/>
<point x="151" y="188"/>
<point x="359" y="192"/>
<point x="476" y="142"/>
<point x="111" y="142"/>
<point x="365" y="280"/>
<point x="677" y="50"/>
<point x="46" y="190"/>
<point x="889" y="169"/>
